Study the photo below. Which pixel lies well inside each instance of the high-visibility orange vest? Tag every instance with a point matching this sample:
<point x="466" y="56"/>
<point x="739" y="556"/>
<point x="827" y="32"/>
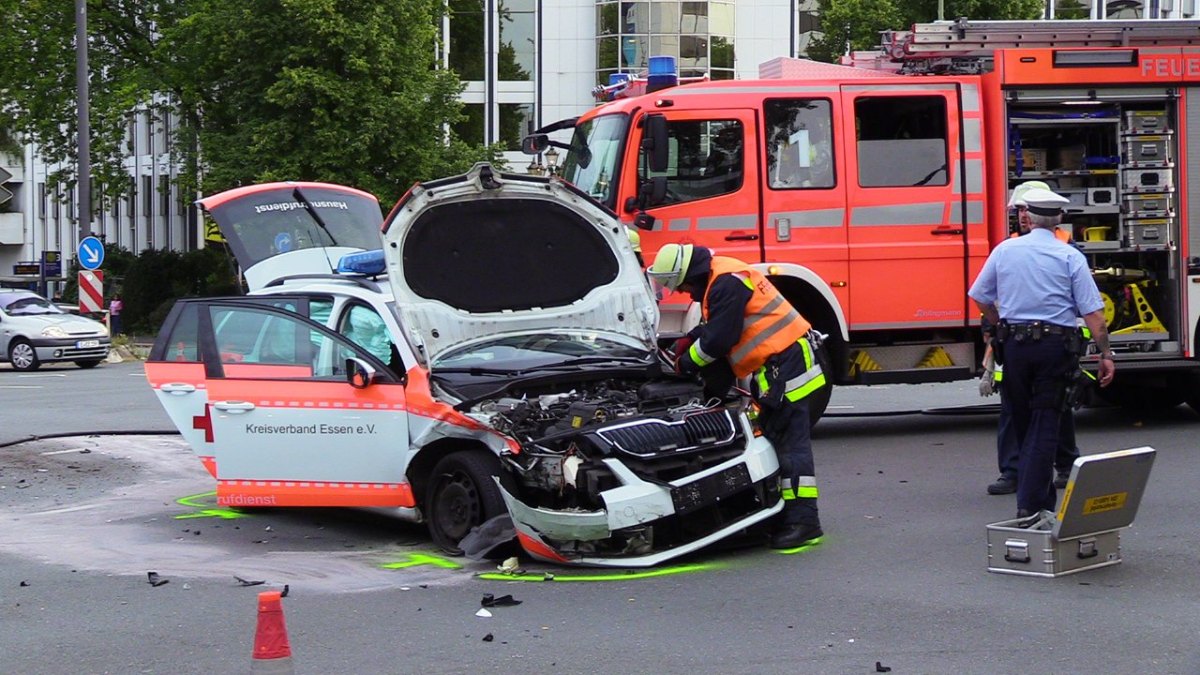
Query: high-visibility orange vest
<point x="771" y="323"/>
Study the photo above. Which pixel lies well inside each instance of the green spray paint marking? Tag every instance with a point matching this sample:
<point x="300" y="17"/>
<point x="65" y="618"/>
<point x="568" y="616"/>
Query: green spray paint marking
<point x="416" y="559"/>
<point x="204" y="510"/>
<point x="615" y="576"/>
<point x="799" y="549"/>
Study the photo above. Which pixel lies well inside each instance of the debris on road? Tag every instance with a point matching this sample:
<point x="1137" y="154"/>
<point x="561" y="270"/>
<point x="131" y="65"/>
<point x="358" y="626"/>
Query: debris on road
<point x="488" y="637"/>
<point x="510" y="566"/>
<point x="503" y="601"/>
<point x="153" y="579"/>
<point x="880" y="668"/>
<point x="248" y="582"/>
<point x="483" y="614"/>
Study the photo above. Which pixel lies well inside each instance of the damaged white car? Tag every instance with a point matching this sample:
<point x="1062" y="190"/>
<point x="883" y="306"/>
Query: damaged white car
<point x="496" y="359"/>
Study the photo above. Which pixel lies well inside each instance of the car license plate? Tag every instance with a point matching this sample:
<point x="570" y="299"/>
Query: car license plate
<point x="87" y="344"/>
<point x="705" y="490"/>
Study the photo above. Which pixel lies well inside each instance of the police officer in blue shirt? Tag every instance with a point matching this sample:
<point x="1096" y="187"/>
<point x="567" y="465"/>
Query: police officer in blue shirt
<point x="1032" y="288"/>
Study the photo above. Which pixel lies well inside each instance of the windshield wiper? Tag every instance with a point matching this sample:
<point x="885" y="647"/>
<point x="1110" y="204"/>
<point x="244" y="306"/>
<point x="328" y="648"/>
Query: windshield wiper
<point x="312" y="211"/>
<point x="565" y="365"/>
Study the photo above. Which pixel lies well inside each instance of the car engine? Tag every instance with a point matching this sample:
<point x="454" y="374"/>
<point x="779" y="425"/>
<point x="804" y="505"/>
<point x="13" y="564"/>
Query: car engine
<point x="660" y="429"/>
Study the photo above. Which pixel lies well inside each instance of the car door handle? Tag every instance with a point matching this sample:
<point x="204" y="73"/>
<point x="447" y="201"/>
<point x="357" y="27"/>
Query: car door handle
<point x="234" y="407"/>
<point x="953" y="231"/>
<point x="741" y="237"/>
<point x="178" y="388"/>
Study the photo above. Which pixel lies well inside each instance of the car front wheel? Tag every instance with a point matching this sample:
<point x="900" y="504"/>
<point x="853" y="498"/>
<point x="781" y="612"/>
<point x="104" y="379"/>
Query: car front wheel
<point x="462" y="494"/>
<point x="22" y="355"/>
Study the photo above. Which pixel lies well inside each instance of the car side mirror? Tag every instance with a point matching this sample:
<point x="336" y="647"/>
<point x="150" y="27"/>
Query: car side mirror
<point x="359" y="373"/>
<point x="534" y="144"/>
<point x="655" y="143"/>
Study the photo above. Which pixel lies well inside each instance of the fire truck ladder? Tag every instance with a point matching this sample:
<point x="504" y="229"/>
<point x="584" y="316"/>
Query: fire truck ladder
<point x="964" y="42"/>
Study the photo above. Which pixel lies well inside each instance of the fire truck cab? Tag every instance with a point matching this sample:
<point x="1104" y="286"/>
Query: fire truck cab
<point x="872" y="193"/>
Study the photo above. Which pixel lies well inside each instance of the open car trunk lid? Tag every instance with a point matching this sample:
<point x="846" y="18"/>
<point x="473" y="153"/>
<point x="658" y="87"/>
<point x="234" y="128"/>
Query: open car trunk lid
<point x="486" y="253"/>
<point x="277" y="230"/>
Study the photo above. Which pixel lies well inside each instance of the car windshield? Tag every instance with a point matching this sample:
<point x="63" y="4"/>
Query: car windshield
<point x="16" y="304"/>
<point x="526" y="353"/>
<point x="591" y="163"/>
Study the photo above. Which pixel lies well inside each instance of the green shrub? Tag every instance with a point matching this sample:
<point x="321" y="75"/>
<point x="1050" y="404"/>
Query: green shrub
<point x="151" y="282"/>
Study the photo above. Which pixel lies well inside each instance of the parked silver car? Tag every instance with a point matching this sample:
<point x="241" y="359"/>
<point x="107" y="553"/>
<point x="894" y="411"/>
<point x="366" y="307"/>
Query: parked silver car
<point x="33" y="331"/>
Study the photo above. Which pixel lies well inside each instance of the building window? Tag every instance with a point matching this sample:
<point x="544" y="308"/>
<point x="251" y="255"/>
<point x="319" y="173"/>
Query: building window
<point x="467" y="39"/>
<point x="516" y="119"/>
<point x="698" y="34"/>
<point x="471" y="128"/>
<point x="493" y="46"/>
<point x="150" y="132"/>
<point x="41" y="188"/>
<point x="901" y="141"/>
<point x="517" y="60"/>
<point x="147" y="197"/>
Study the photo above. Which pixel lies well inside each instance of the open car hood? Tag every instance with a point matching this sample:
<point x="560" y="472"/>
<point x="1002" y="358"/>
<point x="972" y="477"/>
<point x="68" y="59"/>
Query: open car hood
<point x="273" y="233"/>
<point x="486" y="253"/>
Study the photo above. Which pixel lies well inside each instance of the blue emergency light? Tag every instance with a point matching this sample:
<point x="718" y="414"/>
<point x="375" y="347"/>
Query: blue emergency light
<point x="661" y="73"/>
<point x="367" y="263"/>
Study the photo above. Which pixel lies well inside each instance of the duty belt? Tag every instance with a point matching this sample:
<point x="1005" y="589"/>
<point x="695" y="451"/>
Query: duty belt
<point x="1030" y="330"/>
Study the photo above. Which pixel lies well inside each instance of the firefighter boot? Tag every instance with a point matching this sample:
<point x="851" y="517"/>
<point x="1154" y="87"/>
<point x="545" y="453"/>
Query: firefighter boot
<point x="799" y="524"/>
<point x="793" y="536"/>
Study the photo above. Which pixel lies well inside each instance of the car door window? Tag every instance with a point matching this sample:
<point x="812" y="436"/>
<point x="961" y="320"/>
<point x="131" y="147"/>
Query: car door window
<point x="183" y="341"/>
<point x="902" y="141"/>
<point x="363" y="326"/>
<point x="254" y="341"/>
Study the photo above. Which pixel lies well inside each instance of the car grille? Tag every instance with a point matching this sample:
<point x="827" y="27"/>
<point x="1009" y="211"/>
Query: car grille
<point x="650" y="437"/>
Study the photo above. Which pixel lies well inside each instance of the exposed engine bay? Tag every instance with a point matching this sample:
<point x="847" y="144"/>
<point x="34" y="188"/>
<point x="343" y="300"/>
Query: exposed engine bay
<point x="574" y="443"/>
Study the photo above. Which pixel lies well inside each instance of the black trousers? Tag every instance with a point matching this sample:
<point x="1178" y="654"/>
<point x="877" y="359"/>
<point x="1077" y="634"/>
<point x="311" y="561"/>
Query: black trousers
<point x="1036" y="374"/>
<point x="786" y="426"/>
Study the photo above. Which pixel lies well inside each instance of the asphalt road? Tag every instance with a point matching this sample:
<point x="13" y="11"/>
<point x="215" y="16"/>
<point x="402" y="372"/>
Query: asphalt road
<point x="900" y="579"/>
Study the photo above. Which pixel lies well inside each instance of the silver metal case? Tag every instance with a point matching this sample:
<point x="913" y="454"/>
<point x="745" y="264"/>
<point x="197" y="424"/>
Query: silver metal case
<point x="1101" y="498"/>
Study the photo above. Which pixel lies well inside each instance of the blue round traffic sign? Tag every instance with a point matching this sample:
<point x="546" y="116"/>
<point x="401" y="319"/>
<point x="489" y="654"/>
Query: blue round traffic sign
<point x="90" y="253"/>
<point x="283" y="242"/>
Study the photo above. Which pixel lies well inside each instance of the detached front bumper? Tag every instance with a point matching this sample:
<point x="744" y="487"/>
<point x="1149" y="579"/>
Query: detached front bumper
<point x="71" y="349"/>
<point x="748" y="482"/>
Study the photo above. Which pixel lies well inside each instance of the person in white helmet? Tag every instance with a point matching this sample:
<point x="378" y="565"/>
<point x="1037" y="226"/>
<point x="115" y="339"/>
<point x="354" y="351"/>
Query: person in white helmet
<point x="1007" y="449"/>
<point x="1032" y="289"/>
<point x="749" y="328"/>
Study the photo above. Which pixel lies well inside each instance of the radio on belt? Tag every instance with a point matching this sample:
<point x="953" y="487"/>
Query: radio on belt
<point x="1101" y="498"/>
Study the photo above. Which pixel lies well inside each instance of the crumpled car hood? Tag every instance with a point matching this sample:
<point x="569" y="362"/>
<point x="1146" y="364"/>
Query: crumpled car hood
<point x="487" y="253"/>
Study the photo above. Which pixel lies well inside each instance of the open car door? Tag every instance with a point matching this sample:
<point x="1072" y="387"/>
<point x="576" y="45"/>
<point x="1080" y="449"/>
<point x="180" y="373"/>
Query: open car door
<point x="293" y="413"/>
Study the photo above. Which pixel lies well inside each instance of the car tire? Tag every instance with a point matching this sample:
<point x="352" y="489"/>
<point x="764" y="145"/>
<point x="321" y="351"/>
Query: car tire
<point x="22" y="355"/>
<point x="90" y="363"/>
<point x="461" y="495"/>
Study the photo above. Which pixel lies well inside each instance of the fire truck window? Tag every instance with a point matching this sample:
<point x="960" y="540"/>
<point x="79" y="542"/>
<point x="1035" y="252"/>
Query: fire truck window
<point x="901" y="141"/>
<point x="706" y="159"/>
<point x="799" y="144"/>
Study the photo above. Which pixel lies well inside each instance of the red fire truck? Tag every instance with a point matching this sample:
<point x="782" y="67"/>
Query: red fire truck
<point x="872" y="193"/>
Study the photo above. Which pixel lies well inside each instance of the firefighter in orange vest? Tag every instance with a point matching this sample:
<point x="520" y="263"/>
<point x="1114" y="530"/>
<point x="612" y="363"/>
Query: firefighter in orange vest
<point x="748" y="327"/>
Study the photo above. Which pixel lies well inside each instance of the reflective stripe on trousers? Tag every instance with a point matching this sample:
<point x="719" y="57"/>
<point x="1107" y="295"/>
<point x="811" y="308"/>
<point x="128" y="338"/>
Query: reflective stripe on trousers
<point x="805" y="488"/>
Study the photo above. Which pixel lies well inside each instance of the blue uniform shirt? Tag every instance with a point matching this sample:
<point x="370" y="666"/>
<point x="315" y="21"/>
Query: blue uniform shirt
<point x="1037" y="278"/>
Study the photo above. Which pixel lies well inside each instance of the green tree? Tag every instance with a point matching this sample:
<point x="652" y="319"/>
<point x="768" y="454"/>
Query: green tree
<point x="858" y="23"/>
<point x="337" y="90"/>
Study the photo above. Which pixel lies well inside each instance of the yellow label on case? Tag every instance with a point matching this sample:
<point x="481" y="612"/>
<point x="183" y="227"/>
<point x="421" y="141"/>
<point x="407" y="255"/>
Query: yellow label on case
<point x="1105" y="503"/>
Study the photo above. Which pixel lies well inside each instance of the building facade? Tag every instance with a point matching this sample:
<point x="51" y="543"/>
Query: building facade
<point x="524" y="64"/>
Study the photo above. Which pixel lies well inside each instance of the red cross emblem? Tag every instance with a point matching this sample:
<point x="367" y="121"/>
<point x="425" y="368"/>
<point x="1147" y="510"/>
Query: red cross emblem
<point x="204" y="422"/>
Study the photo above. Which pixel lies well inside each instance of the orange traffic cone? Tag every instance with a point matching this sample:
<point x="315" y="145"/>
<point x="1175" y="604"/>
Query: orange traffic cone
<point x="272" y="653"/>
